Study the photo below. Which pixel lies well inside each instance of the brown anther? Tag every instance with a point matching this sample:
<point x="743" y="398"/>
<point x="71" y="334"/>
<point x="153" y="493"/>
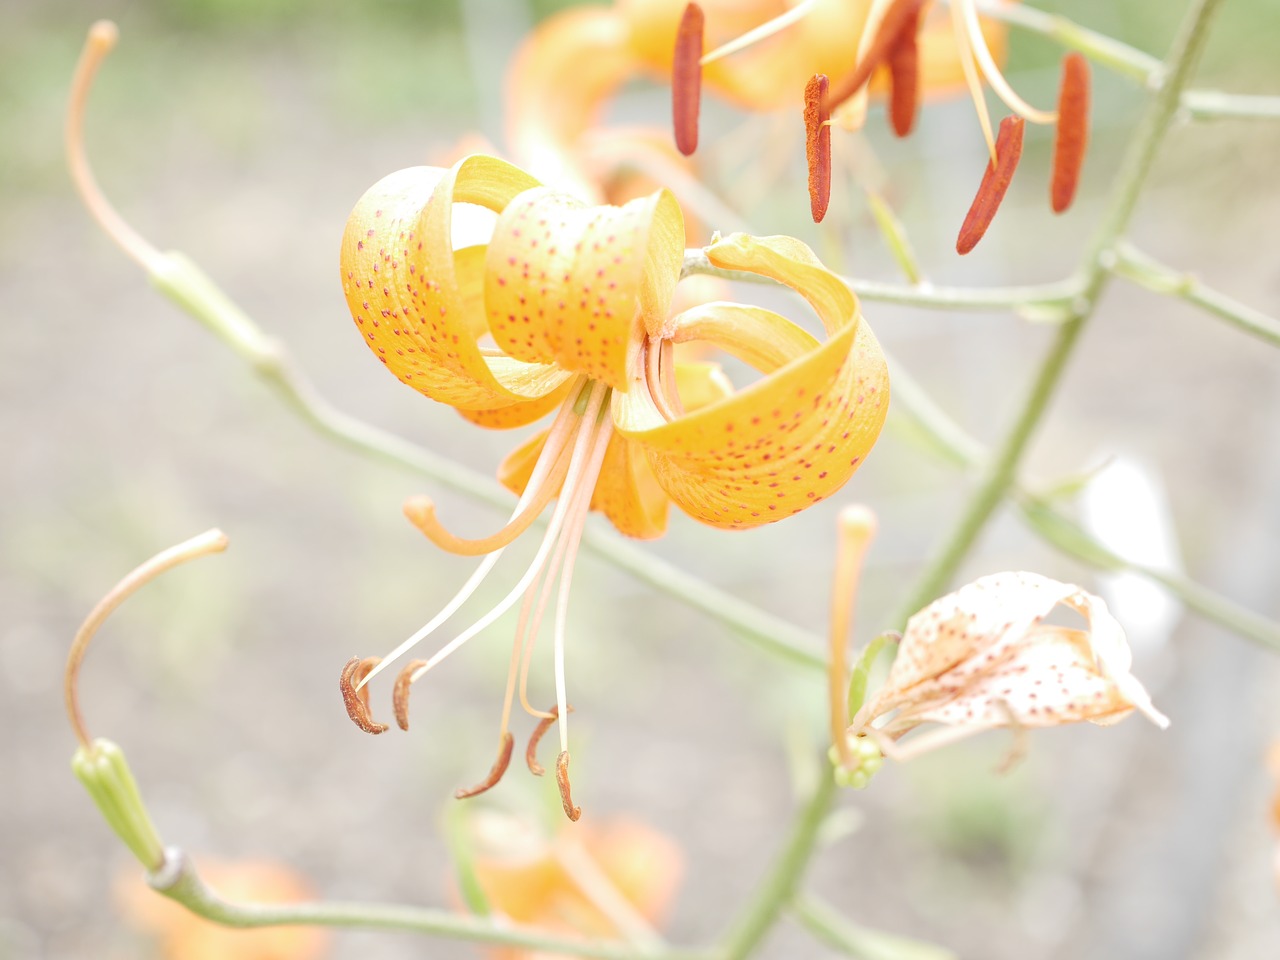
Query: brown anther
<point x="495" y="774"/>
<point x="357" y="702"/>
<point x="817" y="145"/>
<point x="562" y="779"/>
<point x="901" y="15"/>
<point x="995" y="183"/>
<point x="686" y="79"/>
<point x="400" y="692"/>
<point x="904" y="76"/>
<point x="531" y="751"/>
<point x="1073" y="130"/>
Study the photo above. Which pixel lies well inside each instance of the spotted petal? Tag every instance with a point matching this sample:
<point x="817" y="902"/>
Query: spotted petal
<point x="576" y="285"/>
<point x="798" y="434"/>
<point x="403" y="289"/>
<point x="983" y="650"/>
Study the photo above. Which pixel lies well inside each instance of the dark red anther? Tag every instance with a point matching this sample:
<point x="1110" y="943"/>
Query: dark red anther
<point x="686" y="79"/>
<point x="562" y="779"/>
<point x="904" y="77"/>
<point x="531" y="752"/>
<point x="1073" y="131"/>
<point x="995" y="183"/>
<point x="817" y="145"/>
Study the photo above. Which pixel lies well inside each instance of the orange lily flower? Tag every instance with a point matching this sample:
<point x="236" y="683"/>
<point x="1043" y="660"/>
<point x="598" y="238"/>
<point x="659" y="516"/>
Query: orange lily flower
<point x="567" y="309"/>
<point x="605" y="881"/>
<point x="182" y="935"/>
<point x="982" y="658"/>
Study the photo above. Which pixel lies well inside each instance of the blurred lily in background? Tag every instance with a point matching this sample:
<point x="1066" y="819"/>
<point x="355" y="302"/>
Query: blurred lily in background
<point x="568" y="309"/>
<point x="605" y="881"/>
<point x="182" y="935"/>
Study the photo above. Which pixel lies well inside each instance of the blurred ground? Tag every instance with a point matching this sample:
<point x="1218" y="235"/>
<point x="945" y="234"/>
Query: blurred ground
<point x="242" y="134"/>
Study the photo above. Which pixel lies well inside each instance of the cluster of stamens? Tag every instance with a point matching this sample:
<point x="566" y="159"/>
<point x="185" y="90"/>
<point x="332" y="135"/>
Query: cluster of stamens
<point x="891" y="41"/>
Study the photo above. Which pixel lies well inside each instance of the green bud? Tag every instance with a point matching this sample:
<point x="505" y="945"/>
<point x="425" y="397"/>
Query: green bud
<point x="105" y="773"/>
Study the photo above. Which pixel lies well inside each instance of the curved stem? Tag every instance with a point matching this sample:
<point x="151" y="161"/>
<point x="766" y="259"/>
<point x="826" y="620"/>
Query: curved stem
<point x="782" y="882"/>
<point x="179" y="881"/>
<point x="1002" y="469"/>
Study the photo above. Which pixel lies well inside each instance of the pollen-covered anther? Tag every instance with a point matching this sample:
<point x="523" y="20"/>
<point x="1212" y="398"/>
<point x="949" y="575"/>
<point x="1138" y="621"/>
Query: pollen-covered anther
<point x="1073" y="131"/>
<point x="901" y="15"/>
<point x="531" y="752"/>
<point x="495" y="773"/>
<point x="686" y="79"/>
<point x="995" y="183"/>
<point x="562" y="780"/>
<point x="400" y="692"/>
<point x="357" y="701"/>
<point x="817" y="144"/>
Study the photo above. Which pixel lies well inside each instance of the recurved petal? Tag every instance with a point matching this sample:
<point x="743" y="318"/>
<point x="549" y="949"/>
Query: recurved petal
<point x="409" y="294"/>
<point x="794" y="437"/>
<point x="576" y="286"/>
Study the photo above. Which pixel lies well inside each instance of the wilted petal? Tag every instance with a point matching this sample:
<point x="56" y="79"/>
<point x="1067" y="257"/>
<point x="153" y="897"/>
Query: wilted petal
<point x="983" y="657"/>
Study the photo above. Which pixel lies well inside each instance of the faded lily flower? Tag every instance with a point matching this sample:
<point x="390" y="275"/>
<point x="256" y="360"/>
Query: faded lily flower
<point x="608" y="880"/>
<point x="983" y="657"/>
<point x="568" y="309"/>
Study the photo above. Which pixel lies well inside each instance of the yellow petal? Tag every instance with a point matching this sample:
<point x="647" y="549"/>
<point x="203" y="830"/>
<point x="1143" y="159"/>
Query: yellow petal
<point x="700" y="384"/>
<point x="576" y="286"/>
<point x="402" y="284"/>
<point x="517" y="467"/>
<point x="798" y="434"/>
<point x="754" y="335"/>
<point x="628" y="493"/>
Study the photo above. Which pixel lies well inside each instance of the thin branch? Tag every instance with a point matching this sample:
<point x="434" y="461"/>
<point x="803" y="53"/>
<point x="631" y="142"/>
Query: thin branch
<point x="1215" y="105"/>
<point x="1146" y="271"/>
<point x="854" y="940"/>
<point x="782" y="881"/>
<point x="179" y="881"/>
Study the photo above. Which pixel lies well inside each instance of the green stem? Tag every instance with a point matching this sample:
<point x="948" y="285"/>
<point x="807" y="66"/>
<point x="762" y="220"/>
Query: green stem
<point x="1214" y="105"/>
<point x="783" y="880"/>
<point x="1002" y="469"/>
<point x="1146" y="271"/>
<point x="179" y="881"/>
<point x="855" y="940"/>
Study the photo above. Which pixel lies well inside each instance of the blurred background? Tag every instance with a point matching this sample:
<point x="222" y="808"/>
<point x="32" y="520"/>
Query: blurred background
<point x="241" y="132"/>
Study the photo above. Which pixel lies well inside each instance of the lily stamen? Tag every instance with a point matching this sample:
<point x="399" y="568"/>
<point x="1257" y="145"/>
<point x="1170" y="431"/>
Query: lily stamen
<point x="972" y="78"/>
<point x="1073" y="130"/>
<point x="400" y="693"/>
<point x="562" y="781"/>
<point x="974" y="39"/>
<point x="355" y="698"/>
<point x="495" y="772"/>
<point x="686" y="79"/>
<point x="817" y="144"/>
<point x="102" y="38"/>
<point x="540" y="472"/>
<point x="995" y="184"/>
<point x="531" y="751"/>
<point x="762" y="32"/>
<point x="581" y="475"/>
<point x="900" y="15"/>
